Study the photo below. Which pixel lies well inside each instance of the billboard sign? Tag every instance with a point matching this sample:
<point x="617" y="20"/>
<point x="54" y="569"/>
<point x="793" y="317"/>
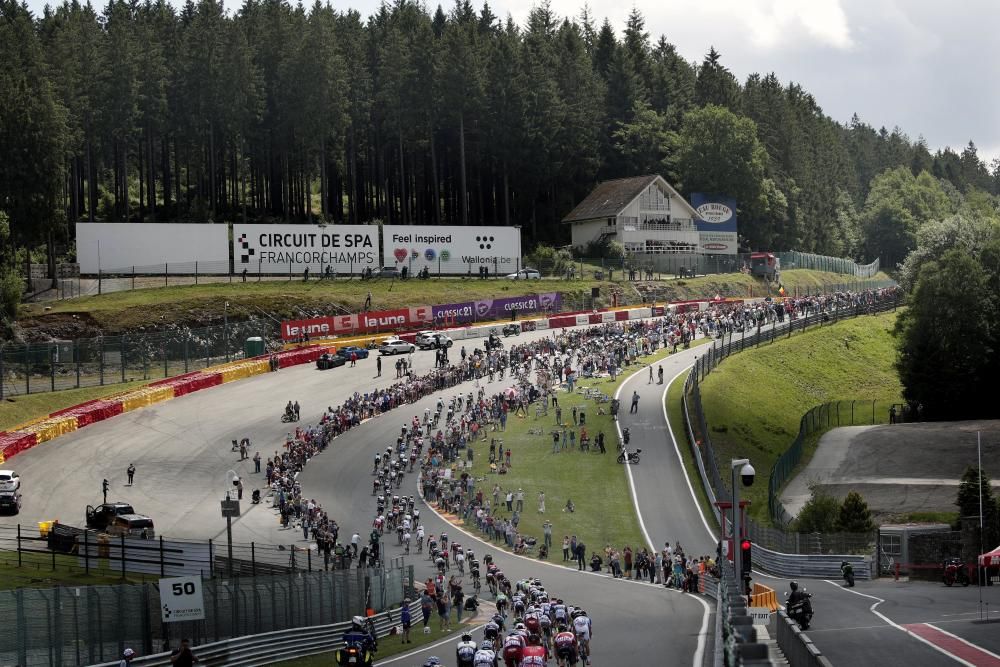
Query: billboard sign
<point x="181" y="599"/>
<point x="496" y="309"/>
<point x="451" y="249"/>
<point x="123" y="247"/>
<point x="291" y="248"/>
<point x="716" y="224"/>
<point x="370" y="322"/>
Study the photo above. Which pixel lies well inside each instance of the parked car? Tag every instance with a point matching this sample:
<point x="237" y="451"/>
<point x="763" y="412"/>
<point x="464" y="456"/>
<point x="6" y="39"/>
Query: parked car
<point x="432" y="340"/>
<point x="346" y="352"/>
<point x="327" y="361"/>
<point x="387" y="272"/>
<point x="396" y="346"/>
<point x="10" y="501"/>
<point x="526" y="273"/>
<point x="132" y="525"/>
<point x="9" y="480"/>
<point x="104" y="517"/>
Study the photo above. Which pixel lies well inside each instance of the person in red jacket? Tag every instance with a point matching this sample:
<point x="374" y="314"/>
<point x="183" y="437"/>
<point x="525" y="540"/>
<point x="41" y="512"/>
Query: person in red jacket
<point x="534" y="654"/>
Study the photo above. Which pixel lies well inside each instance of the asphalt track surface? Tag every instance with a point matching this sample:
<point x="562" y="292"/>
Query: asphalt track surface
<point x="182" y="452"/>
<point x="181" y="449"/>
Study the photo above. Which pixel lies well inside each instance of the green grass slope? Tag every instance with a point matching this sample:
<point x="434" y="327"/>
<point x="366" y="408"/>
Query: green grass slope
<point x="754" y="401"/>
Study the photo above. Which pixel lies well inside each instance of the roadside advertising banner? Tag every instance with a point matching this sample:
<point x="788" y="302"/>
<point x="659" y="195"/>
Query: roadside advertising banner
<point x="452" y="249"/>
<point x="291" y="248"/>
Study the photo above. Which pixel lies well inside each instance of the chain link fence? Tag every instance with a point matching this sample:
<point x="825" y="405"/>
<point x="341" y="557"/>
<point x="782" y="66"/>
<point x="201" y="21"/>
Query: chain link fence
<point x="77" y="625"/>
<point x="32" y="368"/>
<point x="831" y="414"/>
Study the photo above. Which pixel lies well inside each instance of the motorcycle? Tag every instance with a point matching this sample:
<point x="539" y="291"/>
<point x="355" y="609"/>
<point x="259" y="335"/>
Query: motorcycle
<point x="955" y="571"/>
<point x="288" y="417"/>
<point x="801" y="610"/>
<point x="847" y="571"/>
<point x="354" y="654"/>
<point x="512" y="330"/>
<point x="632" y="457"/>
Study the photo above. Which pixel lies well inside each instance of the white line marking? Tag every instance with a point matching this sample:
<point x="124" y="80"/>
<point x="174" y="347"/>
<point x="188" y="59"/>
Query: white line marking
<point x="699" y="653"/>
<point x="421" y="649"/>
<point x="680" y="459"/>
<point x="897" y="625"/>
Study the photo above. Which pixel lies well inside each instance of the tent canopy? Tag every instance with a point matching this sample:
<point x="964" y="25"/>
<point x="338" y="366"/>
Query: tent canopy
<point x="990" y="558"/>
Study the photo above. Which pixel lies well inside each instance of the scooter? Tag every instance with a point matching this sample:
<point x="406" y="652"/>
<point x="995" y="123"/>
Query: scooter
<point x="632" y="457"/>
<point x="801" y="611"/>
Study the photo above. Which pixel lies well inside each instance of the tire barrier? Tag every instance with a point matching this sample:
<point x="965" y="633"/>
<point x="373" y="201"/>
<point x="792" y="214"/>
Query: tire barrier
<point x="52" y="428"/>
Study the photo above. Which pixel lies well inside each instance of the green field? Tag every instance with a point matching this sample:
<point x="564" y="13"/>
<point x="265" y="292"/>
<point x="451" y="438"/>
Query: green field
<point x="42" y="570"/>
<point x="200" y="305"/>
<point x="596" y="483"/>
<point x="754" y="401"/>
<point x="16" y="410"/>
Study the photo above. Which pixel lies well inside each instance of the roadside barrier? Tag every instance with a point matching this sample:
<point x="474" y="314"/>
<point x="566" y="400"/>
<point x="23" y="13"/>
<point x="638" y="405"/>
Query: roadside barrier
<point x="821" y="566"/>
<point x="797" y="647"/>
<point x="764" y="596"/>
<point x="281" y="645"/>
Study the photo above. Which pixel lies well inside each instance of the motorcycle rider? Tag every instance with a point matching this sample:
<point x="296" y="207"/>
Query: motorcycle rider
<point x="847" y="571"/>
<point x="799" y="608"/>
<point x="357" y="636"/>
<point x="466" y="651"/>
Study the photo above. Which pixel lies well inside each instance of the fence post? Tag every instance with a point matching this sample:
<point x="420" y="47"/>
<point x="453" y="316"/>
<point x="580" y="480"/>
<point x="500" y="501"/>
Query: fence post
<point x="101" y="365"/>
<point x="52" y="366"/>
<point x="133" y="277"/>
<point x="873" y="412"/>
<point x="19" y="545"/>
<point x="122" y="554"/>
<point x="253" y="560"/>
<point x="123" y="357"/>
<point x="163" y="572"/>
<point x="27" y="368"/>
<point x="166" y="273"/>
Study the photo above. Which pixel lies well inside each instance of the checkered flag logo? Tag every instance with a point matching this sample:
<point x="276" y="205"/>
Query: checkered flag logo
<point x="248" y="252"/>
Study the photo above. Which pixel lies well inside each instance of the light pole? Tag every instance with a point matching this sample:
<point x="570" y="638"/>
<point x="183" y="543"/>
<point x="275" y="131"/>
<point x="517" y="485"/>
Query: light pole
<point x="230" y="508"/>
<point x="747" y="474"/>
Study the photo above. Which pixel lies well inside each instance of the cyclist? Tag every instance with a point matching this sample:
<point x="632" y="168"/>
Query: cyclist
<point x="513" y="649"/>
<point x="433" y="661"/>
<point x="501" y="604"/>
<point x="491" y="631"/>
<point x="420" y="539"/>
<point x="466" y="651"/>
<point x="534" y="654"/>
<point x="565" y="643"/>
<point x="500" y="621"/>
<point x="584" y="630"/>
<point x="559" y="612"/>
<point x="486" y="656"/>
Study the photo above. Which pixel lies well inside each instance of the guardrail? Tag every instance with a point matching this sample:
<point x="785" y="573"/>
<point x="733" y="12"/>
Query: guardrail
<point x="275" y="646"/>
<point x="797" y="647"/>
<point x="826" y="566"/>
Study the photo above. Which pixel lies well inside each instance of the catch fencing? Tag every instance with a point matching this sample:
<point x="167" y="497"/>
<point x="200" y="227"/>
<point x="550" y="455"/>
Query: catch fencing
<point x="33" y="368"/>
<point x="76" y="625"/>
<point x="703" y="450"/>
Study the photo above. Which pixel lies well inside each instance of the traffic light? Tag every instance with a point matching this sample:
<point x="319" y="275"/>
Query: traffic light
<point x="745" y="563"/>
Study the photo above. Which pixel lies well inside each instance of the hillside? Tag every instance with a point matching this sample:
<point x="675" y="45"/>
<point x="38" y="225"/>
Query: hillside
<point x="201" y="305"/>
<point x="753" y="402"/>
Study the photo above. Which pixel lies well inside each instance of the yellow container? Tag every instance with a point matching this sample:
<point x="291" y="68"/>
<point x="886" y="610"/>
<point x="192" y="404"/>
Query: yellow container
<point x="45" y="527"/>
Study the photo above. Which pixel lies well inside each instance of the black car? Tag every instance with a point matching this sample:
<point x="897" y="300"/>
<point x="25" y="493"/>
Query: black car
<point x="10" y="501"/>
<point x="102" y="516"/>
<point x="327" y="361"/>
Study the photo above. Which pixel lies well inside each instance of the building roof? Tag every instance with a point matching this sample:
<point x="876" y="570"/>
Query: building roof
<point x="609" y="198"/>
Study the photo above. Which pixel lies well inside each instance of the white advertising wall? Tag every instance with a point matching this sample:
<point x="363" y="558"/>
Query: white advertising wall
<point x="452" y="249"/>
<point x="117" y="247"/>
<point x="291" y="248"/>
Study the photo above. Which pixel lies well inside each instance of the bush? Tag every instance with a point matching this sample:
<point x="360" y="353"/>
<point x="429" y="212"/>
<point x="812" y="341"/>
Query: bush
<point x="855" y="517"/>
<point x="11" y="288"/>
<point x="819" y="514"/>
<point x="549" y="260"/>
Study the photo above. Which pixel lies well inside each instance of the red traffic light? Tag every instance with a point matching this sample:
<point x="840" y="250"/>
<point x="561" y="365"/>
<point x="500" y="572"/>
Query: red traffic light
<point x="745" y="545"/>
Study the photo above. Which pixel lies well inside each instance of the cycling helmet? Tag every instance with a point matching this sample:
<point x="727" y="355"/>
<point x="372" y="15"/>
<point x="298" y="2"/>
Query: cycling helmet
<point x="578" y="612"/>
<point x="466" y="637"/>
<point x="534" y="639"/>
<point x="433" y="661"/>
<point x="486" y="646"/>
<point x="519" y="626"/>
<point x="128" y="653"/>
<point x="794" y="585"/>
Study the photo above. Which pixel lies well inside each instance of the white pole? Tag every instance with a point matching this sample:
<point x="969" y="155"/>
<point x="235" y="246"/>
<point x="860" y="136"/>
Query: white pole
<point x="979" y="574"/>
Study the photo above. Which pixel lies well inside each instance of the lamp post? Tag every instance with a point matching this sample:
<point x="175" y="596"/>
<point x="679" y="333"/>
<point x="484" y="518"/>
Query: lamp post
<point x="747" y="474"/>
<point x="230" y="508"/>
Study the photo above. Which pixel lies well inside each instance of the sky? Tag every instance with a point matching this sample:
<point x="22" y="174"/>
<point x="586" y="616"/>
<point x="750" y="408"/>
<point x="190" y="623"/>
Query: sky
<point x="924" y="66"/>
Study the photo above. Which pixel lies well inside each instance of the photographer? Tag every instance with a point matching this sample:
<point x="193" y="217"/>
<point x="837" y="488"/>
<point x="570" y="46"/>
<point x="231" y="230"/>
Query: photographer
<point x="183" y="656"/>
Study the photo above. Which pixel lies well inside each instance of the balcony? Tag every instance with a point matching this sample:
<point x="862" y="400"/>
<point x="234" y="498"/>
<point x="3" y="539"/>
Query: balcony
<point x="656" y="224"/>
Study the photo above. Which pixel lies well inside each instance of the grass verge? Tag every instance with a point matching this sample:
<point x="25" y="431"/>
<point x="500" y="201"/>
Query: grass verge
<point x="387" y="646"/>
<point x="754" y="401"/>
<point x="36" y="571"/>
<point x="201" y="305"/>
<point x="16" y="410"/>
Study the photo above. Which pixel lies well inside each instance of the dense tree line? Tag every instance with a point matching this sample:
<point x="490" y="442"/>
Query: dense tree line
<point x="274" y="111"/>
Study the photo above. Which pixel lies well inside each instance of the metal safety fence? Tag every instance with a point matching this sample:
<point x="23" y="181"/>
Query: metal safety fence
<point x="76" y="625"/>
<point x="699" y="434"/>
<point x="32" y="368"/>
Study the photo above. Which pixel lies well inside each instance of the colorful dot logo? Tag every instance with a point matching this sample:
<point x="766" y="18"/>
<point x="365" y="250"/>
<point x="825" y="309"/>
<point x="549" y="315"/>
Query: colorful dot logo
<point x="445" y="255"/>
<point x="430" y="255"/>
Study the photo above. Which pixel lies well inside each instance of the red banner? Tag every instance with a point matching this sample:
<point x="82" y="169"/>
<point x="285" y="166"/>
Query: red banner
<point x="362" y="323"/>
